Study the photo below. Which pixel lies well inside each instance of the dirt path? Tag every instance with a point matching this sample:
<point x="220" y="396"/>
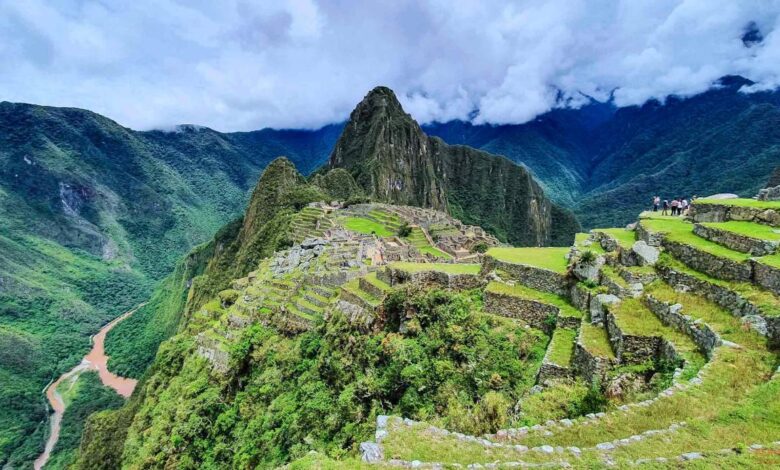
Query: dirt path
<point x="95" y="360"/>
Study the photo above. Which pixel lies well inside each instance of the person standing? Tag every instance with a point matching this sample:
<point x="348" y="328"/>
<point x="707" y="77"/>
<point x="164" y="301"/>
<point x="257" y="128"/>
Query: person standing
<point x="675" y="205"/>
<point x="665" y="210"/>
<point x="684" y="207"/>
<point x="656" y="203"/>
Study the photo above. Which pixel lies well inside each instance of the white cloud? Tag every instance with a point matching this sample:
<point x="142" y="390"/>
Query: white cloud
<point x="239" y="64"/>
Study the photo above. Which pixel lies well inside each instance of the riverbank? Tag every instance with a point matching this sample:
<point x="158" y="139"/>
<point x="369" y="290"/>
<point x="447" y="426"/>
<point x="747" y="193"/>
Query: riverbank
<point x="95" y="360"/>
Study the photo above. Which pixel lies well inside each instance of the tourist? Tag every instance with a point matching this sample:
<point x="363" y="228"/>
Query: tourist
<point x="665" y="210"/>
<point x="675" y="205"/>
<point x="656" y="203"/>
<point x="684" y="207"/>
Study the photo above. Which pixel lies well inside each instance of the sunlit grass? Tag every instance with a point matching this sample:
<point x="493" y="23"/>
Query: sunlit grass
<point x="551" y="258"/>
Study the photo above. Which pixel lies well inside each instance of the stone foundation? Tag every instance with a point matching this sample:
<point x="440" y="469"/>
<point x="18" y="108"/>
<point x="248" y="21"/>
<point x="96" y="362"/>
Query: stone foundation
<point x="586" y="365"/>
<point x="724" y="212"/>
<point x="393" y="276"/>
<point x="550" y="371"/>
<point x="671" y="315"/>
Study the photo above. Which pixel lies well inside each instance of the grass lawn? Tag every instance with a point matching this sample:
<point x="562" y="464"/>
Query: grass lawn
<point x="361" y="225"/>
<point x="596" y="341"/>
<point x="625" y="238"/>
<point x="550" y="258"/>
<point x="372" y="279"/>
<point x="449" y="268"/>
<point x="748" y="229"/>
<point x="741" y="202"/>
<point x="771" y="260"/>
<point x="523" y="292"/>
<point x="561" y="346"/>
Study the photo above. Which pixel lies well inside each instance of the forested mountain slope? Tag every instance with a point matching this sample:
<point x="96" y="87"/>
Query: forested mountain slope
<point x="607" y="163"/>
<point x="92" y="214"/>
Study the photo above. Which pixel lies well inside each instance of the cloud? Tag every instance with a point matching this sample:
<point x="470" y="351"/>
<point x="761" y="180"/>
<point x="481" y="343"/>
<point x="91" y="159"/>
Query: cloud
<point x="240" y="65"/>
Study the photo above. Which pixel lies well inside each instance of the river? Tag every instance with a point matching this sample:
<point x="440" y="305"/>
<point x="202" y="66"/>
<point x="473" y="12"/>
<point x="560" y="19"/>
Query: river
<point x="95" y="360"/>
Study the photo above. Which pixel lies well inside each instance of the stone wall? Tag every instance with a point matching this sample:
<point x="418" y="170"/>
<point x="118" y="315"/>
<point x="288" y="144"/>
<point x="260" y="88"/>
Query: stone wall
<point x="579" y="296"/>
<point x="632" y="349"/>
<point x="715" y="266"/>
<point x="213" y="351"/>
<point x="671" y="315"/>
<point x="394" y="276"/>
<point x="370" y="288"/>
<point x="726" y="299"/>
<point x="651" y="238"/>
<point x="724" y="212"/>
<point x="550" y="371"/>
<point x="568" y="322"/>
<point x="735" y="241"/>
<point x="588" y="366"/>
<point x="534" y="313"/>
<point x="767" y="277"/>
<point x="531" y="276"/>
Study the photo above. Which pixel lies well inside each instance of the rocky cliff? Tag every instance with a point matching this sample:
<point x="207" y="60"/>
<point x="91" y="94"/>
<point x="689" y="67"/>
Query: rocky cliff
<point x="393" y="160"/>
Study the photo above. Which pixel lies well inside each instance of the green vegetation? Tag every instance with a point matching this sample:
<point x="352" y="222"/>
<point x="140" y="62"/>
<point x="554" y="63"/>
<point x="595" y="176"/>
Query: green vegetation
<point x="553" y="259"/>
<point x="595" y="340"/>
<point x="85" y="397"/>
<point x="460" y="368"/>
<point x="741" y="202"/>
<point x="579" y="243"/>
<point x="449" y="268"/>
<point x="417" y="238"/>
<point x="367" y="226"/>
<point x="625" y="238"/>
<point x="519" y="290"/>
<point x="766" y="301"/>
<point x="561" y="346"/>
<point x="748" y="229"/>
<point x="679" y="230"/>
<point x="353" y="287"/>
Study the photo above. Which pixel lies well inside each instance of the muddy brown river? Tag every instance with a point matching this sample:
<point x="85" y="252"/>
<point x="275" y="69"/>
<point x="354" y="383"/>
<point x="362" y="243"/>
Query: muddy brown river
<point x="95" y="360"/>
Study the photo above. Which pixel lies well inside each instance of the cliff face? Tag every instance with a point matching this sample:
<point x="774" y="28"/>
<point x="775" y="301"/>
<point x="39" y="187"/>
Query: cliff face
<point x="393" y="160"/>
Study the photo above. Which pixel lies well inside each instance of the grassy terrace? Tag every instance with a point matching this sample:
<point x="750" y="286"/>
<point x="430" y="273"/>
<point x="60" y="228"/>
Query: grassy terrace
<point x="625" y="238"/>
<point x="561" y="346"/>
<point x="595" y="340"/>
<point x="449" y="268"/>
<point x="353" y="287"/>
<point x="579" y="243"/>
<point x="417" y="239"/>
<point x="678" y="230"/>
<point x="610" y="272"/>
<point x="367" y="226"/>
<point x="550" y="258"/>
<point x="741" y="202"/>
<point x="523" y="292"/>
<point x="766" y="301"/>
<point x="634" y="318"/>
<point x="372" y="279"/>
<point x="748" y="229"/>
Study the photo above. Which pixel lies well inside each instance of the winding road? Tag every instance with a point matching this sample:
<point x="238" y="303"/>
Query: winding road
<point x="95" y="360"/>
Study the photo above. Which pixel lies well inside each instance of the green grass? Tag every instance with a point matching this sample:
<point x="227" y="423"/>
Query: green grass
<point x="353" y="287"/>
<point x="634" y="318"/>
<point x="417" y="239"/>
<point x="625" y="238"/>
<point x="366" y="226"/>
<point x="521" y="291"/>
<point x="771" y="260"/>
<point x="596" y="340"/>
<point x="372" y="279"/>
<point x="678" y="230"/>
<point x="561" y="346"/>
<point x="579" y="243"/>
<point x="748" y="229"/>
<point x="449" y="268"/>
<point x="551" y="258"/>
<point x="741" y="202"/>
<point x="766" y="301"/>
<point x="610" y="272"/>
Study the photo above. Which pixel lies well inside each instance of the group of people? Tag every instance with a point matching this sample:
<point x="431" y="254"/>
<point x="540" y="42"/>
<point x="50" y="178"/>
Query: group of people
<point x="677" y="206"/>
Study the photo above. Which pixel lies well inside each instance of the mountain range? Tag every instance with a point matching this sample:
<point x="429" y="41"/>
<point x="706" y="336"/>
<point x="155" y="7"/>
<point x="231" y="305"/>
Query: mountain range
<point x="94" y="215"/>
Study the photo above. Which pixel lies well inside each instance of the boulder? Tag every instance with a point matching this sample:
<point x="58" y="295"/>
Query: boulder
<point x="371" y="452"/>
<point x="645" y="254"/>
<point x="588" y="271"/>
<point x="723" y="196"/>
<point x="598" y="306"/>
<point x="769" y="194"/>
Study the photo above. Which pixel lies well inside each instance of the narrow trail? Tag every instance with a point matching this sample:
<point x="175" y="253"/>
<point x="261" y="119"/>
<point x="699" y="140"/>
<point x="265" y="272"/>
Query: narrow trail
<point x="95" y="360"/>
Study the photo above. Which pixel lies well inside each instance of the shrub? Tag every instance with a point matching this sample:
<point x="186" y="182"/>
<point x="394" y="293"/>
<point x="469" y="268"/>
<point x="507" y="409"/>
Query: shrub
<point x="404" y="230"/>
<point x="480" y="247"/>
<point x="587" y="257"/>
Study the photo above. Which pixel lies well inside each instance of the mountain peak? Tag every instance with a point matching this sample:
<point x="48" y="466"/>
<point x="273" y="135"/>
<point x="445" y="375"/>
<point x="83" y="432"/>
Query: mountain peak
<point x="381" y="101"/>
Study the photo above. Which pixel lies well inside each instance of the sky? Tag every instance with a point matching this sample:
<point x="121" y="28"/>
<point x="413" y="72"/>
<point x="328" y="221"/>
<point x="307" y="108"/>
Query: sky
<point x="237" y="65"/>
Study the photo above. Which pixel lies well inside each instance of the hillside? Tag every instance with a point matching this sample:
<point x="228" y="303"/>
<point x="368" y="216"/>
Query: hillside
<point x="394" y="161"/>
<point x="606" y="163"/>
<point x="378" y="346"/>
<point x="92" y="215"/>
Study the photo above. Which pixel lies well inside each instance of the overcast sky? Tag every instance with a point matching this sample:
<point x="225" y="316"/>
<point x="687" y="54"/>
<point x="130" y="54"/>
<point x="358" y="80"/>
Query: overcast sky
<point x="241" y="65"/>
